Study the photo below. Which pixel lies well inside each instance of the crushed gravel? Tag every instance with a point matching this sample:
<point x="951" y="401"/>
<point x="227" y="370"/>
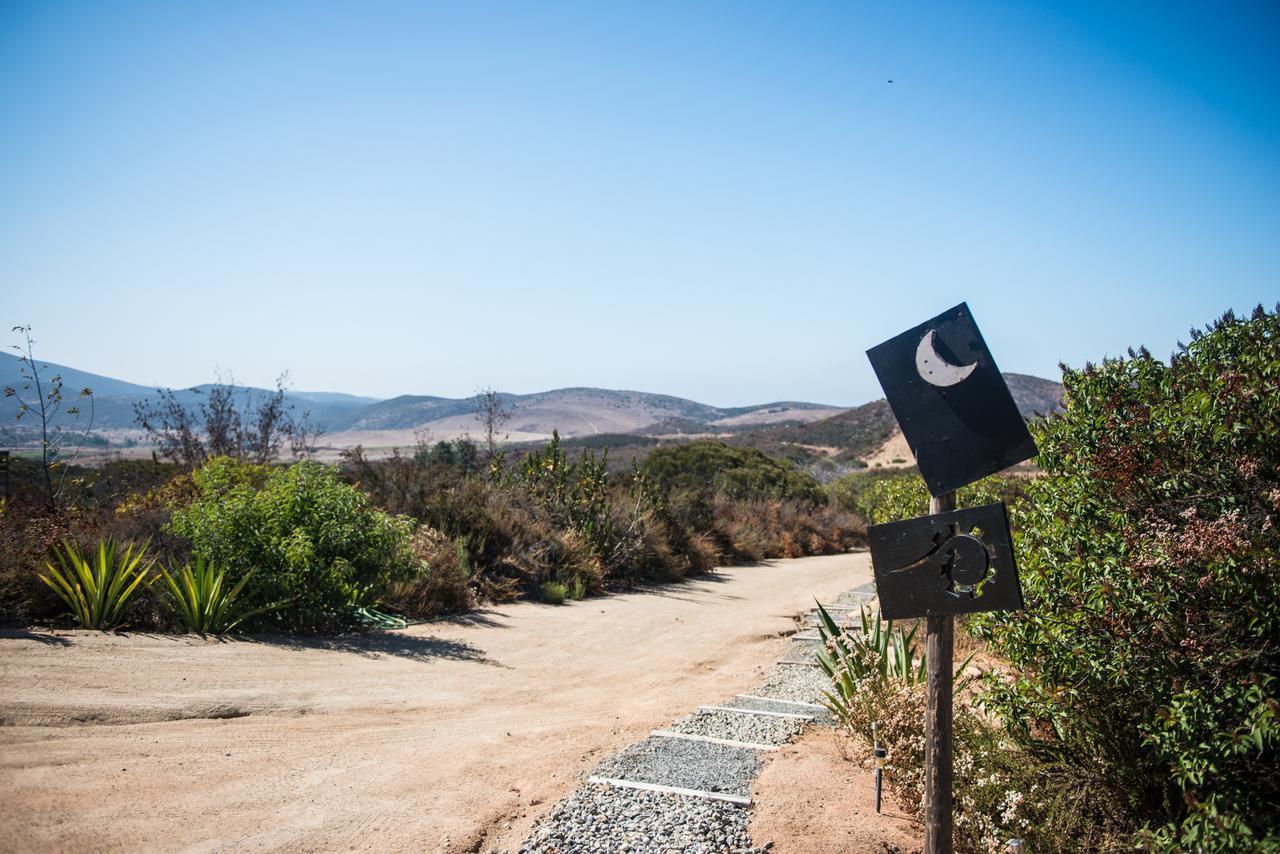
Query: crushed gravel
<point x="684" y="764"/>
<point x="800" y="682"/>
<point x="754" y="729"/>
<point x="600" y="819"/>
<point x="764" y="705"/>
<point x="858" y="596"/>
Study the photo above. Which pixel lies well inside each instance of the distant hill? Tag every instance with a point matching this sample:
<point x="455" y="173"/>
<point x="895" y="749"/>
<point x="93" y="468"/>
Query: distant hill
<point x="1035" y="395"/>
<point x="351" y="419"/>
<point x="113" y="399"/>
<point x="580" y="412"/>
<point x="586" y="417"/>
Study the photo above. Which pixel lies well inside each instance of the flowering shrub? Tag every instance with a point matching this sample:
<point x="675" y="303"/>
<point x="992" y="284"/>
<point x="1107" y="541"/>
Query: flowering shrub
<point x="1146" y="659"/>
<point x="878" y="676"/>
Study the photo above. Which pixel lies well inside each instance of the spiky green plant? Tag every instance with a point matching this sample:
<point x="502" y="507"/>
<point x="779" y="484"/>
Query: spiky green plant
<point x="203" y="601"/>
<point x="97" y="588"/>
<point x="875" y="651"/>
<point x="553" y="592"/>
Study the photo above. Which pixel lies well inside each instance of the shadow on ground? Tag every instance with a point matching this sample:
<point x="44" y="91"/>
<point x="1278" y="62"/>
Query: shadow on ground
<point x="34" y="635"/>
<point x="401" y="644"/>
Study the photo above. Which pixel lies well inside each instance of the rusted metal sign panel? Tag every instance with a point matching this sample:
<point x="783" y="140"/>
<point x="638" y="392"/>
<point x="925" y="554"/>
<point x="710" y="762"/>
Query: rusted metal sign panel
<point x="957" y="562"/>
<point x="951" y="401"/>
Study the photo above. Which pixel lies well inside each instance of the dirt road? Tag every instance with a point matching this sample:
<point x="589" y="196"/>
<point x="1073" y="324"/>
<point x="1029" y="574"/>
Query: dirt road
<point x="452" y="736"/>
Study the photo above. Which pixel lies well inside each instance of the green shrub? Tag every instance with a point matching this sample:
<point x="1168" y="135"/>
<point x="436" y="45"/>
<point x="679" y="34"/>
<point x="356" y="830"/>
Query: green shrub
<point x="880" y="497"/>
<point x="98" y="588"/>
<point x="1146" y="659"/>
<point x="714" y="468"/>
<point x="553" y="592"/>
<point x="317" y="543"/>
<point x="577" y="495"/>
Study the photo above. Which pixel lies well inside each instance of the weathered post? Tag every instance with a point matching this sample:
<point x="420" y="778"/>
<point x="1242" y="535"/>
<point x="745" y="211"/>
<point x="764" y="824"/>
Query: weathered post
<point x="939" y="636"/>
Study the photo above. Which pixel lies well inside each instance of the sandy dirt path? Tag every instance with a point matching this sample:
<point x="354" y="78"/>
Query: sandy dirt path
<point x="452" y="736"/>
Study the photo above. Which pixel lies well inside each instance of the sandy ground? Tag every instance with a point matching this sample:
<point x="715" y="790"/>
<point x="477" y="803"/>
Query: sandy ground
<point x="452" y="736"/>
<point x="818" y="795"/>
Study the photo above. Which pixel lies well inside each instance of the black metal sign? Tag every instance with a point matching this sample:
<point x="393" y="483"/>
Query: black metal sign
<point x="951" y="401"/>
<point x="949" y="563"/>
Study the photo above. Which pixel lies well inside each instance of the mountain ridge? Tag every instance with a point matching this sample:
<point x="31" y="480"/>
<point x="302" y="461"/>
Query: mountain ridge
<point x="573" y="411"/>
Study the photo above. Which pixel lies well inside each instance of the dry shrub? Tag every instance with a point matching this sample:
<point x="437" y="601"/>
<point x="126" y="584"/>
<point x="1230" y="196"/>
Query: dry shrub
<point x="444" y="588"/>
<point x="25" y="541"/>
<point x="783" y="528"/>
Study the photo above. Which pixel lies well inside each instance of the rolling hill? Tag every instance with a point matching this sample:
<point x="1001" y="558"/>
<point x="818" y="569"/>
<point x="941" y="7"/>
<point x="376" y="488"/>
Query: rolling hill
<point x="353" y="419"/>
<point x="587" y="417"/>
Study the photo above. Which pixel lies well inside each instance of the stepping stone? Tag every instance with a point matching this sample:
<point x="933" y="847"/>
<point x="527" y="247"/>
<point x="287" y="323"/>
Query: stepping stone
<point x="750" y="702"/>
<point x="682" y="764"/>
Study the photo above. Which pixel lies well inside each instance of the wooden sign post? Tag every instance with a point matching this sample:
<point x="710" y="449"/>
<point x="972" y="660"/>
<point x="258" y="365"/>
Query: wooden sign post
<point x="961" y="423"/>
<point x="939" y="640"/>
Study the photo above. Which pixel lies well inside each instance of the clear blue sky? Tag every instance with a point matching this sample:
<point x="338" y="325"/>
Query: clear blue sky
<point x="724" y="201"/>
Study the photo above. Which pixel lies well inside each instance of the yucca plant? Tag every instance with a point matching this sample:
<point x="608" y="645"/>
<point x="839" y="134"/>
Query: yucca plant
<point x="875" y="651"/>
<point x="204" y="603"/>
<point x="97" y="587"/>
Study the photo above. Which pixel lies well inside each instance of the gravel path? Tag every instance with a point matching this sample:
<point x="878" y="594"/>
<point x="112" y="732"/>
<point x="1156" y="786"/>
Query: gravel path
<point x="602" y="820"/>
<point x="798" y="682"/>
<point x="684" y="764"/>
<point x="755" y="729"/>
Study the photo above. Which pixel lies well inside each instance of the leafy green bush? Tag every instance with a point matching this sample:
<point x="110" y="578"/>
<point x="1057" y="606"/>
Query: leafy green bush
<point x="714" y="468"/>
<point x="1146" y="660"/>
<point x="97" y="588"/>
<point x="577" y="495"/>
<point x="315" y="541"/>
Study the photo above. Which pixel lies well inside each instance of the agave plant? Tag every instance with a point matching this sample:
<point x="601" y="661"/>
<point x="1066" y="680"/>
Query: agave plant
<point x="204" y="603"/>
<point x="875" y="650"/>
<point x="98" y="587"/>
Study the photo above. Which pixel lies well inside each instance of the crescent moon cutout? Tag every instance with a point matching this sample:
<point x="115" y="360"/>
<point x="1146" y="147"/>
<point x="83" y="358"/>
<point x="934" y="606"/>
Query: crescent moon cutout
<point x="936" y="370"/>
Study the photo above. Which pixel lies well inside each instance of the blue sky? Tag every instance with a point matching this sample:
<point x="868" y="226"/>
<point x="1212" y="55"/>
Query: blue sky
<point x="723" y="201"/>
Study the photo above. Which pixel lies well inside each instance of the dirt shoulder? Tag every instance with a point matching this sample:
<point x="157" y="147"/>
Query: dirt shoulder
<point x="817" y="795"/>
<point x="452" y="736"/>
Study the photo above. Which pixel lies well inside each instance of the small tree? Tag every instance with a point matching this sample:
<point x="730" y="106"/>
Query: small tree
<point x="305" y="437"/>
<point x="220" y="428"/>
<point x="45" y="404"/>
<point x="493" y="413"/>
